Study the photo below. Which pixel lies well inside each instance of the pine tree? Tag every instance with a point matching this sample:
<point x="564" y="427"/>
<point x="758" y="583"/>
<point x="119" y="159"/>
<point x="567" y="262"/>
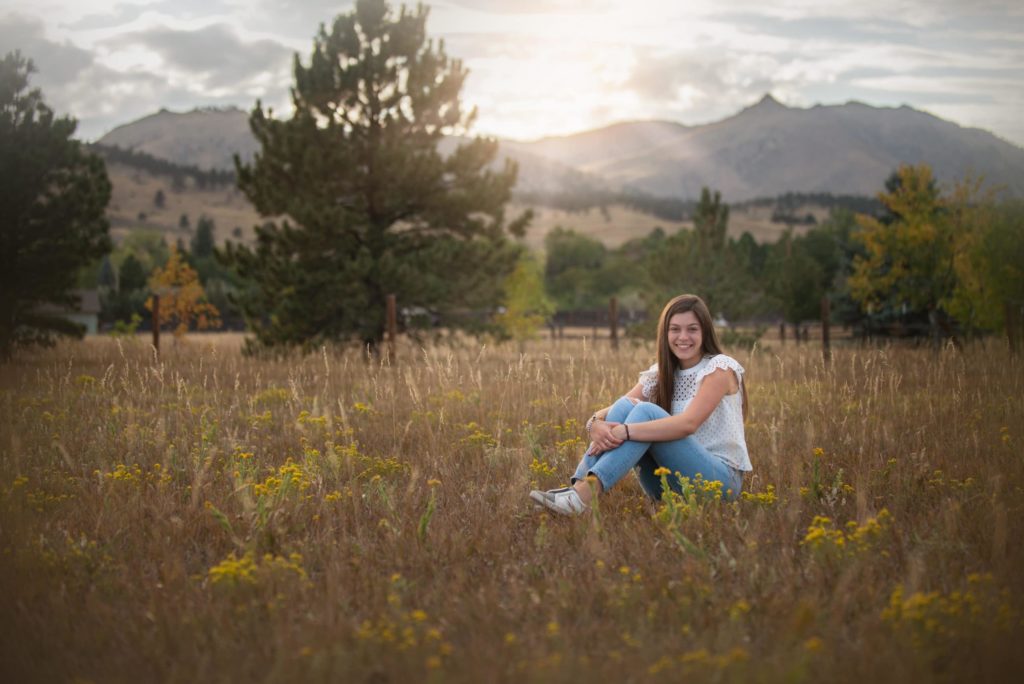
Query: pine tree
<point x="710" y="221"/>
<point x="132" y="275"/>
<point x="796" y="279"/>
<point x="51" y="211"/>
<point x="107" y="278"/>
<point x="203" y="241"/>
<point x="372" y="207"/>
<point x="129" y="298"/>
<point x="704" y="263"/>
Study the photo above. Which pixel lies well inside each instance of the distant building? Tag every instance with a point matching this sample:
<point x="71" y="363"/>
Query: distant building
<point x="86" y="313"/>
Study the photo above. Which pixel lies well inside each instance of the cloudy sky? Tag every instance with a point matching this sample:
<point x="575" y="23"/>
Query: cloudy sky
<point x="547" y="67"/>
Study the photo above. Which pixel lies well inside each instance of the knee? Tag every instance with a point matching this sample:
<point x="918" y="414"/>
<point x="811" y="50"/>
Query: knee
<point x="646" y="410"/>
<point x="620" y="409"/>
<point x="625" y="403"/>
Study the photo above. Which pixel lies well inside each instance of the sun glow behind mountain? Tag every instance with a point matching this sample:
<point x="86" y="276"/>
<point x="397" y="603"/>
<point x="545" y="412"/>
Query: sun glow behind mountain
<point x="567" y="70"/>
<point x="546" y="67"/>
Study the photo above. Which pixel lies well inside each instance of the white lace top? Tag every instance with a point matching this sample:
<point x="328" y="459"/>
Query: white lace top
<point x="722" y="432"/>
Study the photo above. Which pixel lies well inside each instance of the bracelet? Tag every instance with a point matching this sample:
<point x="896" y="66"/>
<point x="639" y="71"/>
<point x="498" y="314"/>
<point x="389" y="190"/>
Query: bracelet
<point x="590" y="422"/>
<point x="627" y="431"/>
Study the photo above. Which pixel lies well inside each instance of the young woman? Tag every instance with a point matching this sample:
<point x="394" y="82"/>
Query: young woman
<point x="685" y="414"/>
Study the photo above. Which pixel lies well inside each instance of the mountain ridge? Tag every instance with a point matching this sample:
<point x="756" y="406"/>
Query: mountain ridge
<point x="207" y="138"/>
<point x="766" y="149"/>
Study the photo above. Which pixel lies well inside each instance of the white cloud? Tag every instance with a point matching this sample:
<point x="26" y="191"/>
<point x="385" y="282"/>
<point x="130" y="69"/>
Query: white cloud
<point x="57" y="62"/>
<point x="214" y="55"/>
<point x="550" y="66"/>
<point x="531" y="6"/>
<point x="134" y="74"/>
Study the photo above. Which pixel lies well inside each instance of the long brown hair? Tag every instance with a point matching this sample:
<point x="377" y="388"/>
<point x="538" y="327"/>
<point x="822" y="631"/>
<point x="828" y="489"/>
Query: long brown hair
<point x="668" y="364"/>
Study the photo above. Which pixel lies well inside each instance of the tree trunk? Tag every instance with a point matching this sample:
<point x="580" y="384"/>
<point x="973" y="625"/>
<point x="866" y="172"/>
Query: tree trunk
<point x="1012" y="322"/>
<point x="826" y="338"/>
<point x="392" y="324"/>
<point x="7" y="316"/>
<point x="940" y="323"/>
<point x="613" y="321"/>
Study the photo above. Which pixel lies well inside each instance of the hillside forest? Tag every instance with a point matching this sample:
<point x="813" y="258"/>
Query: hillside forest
<point x="753" y="282"/>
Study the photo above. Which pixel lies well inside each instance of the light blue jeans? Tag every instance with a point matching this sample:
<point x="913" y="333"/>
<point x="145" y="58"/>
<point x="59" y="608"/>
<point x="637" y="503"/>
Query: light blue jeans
<point x="683" y="456"/>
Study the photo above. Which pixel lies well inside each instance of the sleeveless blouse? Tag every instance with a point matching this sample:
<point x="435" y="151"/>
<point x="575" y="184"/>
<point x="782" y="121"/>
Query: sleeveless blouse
<point x="722" y="433"/>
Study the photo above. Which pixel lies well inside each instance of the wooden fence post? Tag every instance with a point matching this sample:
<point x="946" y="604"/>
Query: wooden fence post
<point x="156" y="323"/>
<point x="392" y="319"/>
<point x="1012" y="322"/>
<point x="613" y="321"/>
<point x="782" y="332"/>
<point x="826" y="342"/>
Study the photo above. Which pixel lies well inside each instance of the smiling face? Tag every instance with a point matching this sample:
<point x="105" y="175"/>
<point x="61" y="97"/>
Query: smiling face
<point x="685" y="338"/>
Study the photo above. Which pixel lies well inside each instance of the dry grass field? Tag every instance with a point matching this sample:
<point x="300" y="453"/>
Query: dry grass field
<point x="133" y="196"/>
<point x="617" y="225"/>
<point x="217" y="518"/>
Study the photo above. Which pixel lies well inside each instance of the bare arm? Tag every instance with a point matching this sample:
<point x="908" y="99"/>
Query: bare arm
<point x="601" y="430"/>
<point x="712" y="389"/>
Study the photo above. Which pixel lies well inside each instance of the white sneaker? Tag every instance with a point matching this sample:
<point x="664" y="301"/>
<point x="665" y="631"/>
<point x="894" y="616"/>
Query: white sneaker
<point x="538" y="496"/>
<point x="565" y="501"/>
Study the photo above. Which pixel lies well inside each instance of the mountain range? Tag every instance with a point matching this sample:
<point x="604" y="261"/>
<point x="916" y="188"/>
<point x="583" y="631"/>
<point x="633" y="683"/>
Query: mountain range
<point x="765" y="150"/>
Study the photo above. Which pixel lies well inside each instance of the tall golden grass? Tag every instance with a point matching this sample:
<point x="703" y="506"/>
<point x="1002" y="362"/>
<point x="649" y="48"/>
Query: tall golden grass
<point x="212" y="517"/>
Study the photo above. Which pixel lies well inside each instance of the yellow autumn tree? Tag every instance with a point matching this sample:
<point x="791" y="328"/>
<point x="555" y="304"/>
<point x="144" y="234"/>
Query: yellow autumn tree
<point x="182" y="298"/>
<point x="527" y="305"/>
<point x="910" y="258"/>
<point x="975" y="302"/>
<point x="990" y="267"/>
